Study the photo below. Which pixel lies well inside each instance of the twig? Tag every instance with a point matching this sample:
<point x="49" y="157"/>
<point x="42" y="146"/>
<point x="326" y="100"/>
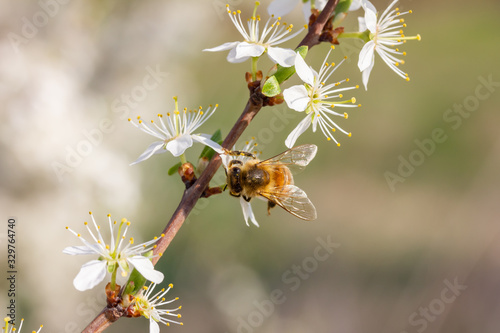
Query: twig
<point x="192" y="194"/>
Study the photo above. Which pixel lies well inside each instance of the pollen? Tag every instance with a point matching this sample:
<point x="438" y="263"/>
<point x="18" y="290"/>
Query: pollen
<point x="338" y="144"/>
<point x="418" y="37"/>
<point x="85" y="223"/>
<point x="168" y="114"/>
<point x="328" y="139"/>
<point x="333" y="129"/>
<point x="410" y="11"/>
<point x="353" y="100"/>
<point x="129" y="119"/>
<point x="340" y="95"/>
<point x="333" y="47"/>
<point x="170" y="285"/>
<point x="350" y="134"/>
<point x="357" y="86"/>
<point x="131" y="240"/>
<point x="346" y="115"/>
<point x="407" y="79"/>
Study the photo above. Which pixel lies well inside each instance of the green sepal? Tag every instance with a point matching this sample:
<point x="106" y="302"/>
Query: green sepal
<point x="209" y="152"/>
<point x="174" y="169"/>
<point x="272" y="86"/>
<point x="111" y="268"/>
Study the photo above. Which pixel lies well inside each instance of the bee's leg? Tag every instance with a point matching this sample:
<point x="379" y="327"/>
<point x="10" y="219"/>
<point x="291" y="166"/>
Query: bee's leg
<point x="247" y="199"/>
<point x="238" y="153"/>
<point x="270" y="205"/>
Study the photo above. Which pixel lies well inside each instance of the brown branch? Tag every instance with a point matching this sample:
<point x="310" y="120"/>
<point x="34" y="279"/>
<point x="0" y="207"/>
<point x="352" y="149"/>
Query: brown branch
<point x="316" y="28"/>
<point x="192" y="194"/>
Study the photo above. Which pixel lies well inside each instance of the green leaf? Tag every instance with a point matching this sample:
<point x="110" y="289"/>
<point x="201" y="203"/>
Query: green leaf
<point x="342" y="6"/>
<point x="209" y="152"/>
<point x="138" y="282"/>
<point x="271" y="87"/>
<point x="174" y="169"/>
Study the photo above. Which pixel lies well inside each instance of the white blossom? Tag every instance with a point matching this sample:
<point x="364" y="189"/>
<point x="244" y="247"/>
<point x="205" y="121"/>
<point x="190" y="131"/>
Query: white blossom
<point x="256" y="42"/>
<point x="118" y="253"/>
<point x="317" y="99"/>
<point x="176" y="131"/>
<point x="148" y="305"/>
<point x="385" y="33"/>
<point x="12" y="329"/>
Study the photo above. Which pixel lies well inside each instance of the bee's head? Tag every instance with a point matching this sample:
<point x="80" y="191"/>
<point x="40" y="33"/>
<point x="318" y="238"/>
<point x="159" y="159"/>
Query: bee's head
<point x="234" y="177"/>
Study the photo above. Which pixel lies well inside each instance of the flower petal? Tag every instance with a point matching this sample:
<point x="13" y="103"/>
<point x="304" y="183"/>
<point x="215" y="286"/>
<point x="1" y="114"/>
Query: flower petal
<point x="370" y="16"/>
<point x="205" y="139"/>
<point x="362" y="24"/>
<point x="153" y="326"/>
<point x="223" y="47"/>
<point x="301" y="128"/>
<point x="245" y="49"/>
<point x="179" y="145"/>
<point x="366" y="56"/>
<point x="366" y="75"/>
<point x="306" y="10"/>
<point x="231" y="57"/>
<point x="296" y="97"/>
<point x="154" y="148"/>
<point x="248" y="212"/>
<point x="146" y="268"/>
<point x="304" y="71"/>
<point x="281" y="7"/>
<point x="79" y="250"/>
<point x="355" y="5"/>
<point x="90" y="275"/>
<point x="284" y="57"/>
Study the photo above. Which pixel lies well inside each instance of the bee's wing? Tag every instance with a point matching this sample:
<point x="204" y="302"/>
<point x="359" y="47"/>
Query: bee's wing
<point x="297" y="157"/>
<point x="293" y="200"/>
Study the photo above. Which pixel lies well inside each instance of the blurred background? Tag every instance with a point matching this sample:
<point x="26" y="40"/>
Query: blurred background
<point x="407" y="238"/>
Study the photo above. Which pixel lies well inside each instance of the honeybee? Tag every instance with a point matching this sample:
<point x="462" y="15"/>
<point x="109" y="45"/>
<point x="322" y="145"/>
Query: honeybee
<point x="272" y="179"/>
